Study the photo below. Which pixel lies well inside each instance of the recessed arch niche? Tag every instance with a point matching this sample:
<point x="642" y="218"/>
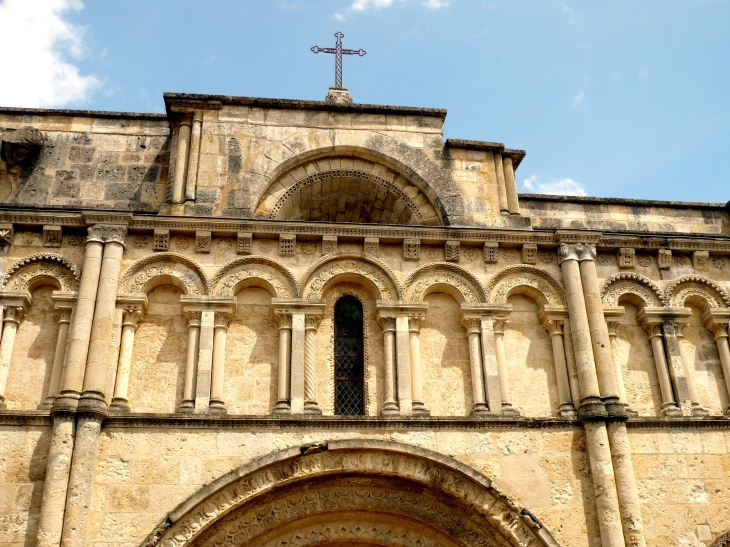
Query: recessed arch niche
<point x="347" y="189"/>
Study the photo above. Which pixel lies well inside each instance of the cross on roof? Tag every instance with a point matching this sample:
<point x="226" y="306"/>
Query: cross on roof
<point x="339" y="52"/>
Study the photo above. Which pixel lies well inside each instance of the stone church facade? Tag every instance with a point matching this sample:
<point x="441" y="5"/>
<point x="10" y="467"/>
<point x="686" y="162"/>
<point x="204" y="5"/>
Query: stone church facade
<point x="272" y="322"/>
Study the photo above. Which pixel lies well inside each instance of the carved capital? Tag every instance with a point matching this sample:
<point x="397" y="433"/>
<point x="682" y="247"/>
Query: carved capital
<point x="576" y="251"/>
<point x="132" y="317"/>
<point x="387" y="323"/>
<point x="107" y="233"/>
<point x="652" y="329"/>
<point x="414" y="321"/>
<point x="719" y="330"/>
<point x="221" y="320"/>
<point x="14" y="314"/>
<point x="311" y="322"/>
<point x="64" y="314"/>
<point x="612" y="326"/>
<point x="194" y="318"/>
<point x="283" y="318"/>
<point x="499" y="325"/>
<point x="553" y="327"/>
<point x="473" y="325"/>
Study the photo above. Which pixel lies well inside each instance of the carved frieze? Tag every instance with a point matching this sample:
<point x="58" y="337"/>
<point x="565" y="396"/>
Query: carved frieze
<point x="411" y="249"/>
<point x="161" y="240"/>
<point x="372" y="246"/>
<point x="529" y="253"/>
<point x="693" y="285"/>
<point x="244" y="242"/>
<point x="426" y="277"/>
<point x="636" y="284"/>
<point x="25" y="271"/>
<point x="513" y="279"/>
<point x="626" y="257"/>
<point x="452" y="251"/>
<point x="287" y="244"/>
<point x="52" y="236"/>
<point x="329" y="245"/>
<point x="664" y="259"/>
<point x="491" y="252"/>
<point x="700" y="260"/>
<point x="203" y="241"/>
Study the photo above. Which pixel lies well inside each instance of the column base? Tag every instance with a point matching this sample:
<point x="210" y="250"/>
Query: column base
<point x="282" y="407"/>
<point x="699" y="411"/>
<point x="419" y="409"/>
<point x="3" y="406"/>
<point x="91" y="402"/>
<point x="479" y="411"/>
<point x="217" y="407"/>
<point x="186" y="407"/>
<point x="671" y="411"/>
<point x="119" y="406"/>
<point x="67" y="401"/>
<point x="312" y="408"/>
<point x="46" y="405"/>
<point x="507" y="410"/>
<point x="390" y="409"/>
<point x="568" y="411"/>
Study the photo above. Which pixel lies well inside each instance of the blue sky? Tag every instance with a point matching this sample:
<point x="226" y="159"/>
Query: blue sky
<point x="613" y="99"/>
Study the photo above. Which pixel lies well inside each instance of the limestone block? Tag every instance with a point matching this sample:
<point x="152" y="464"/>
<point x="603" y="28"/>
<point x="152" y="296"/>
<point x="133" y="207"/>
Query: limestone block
<point x="161" y="240"/>
<point x="664" y="259"/>
<point x="452" y="251"/>
<point x="529" y="253"/>
<point x="244" y="243"/>
<point x="411" y="249"/>
<point x="52" y="236"/>
<point x="287" y="244"/>
<point x="329" y="244"/>
<point x="491" y="252"/>
<point x="700" y="260"/>
<point x="203" y="241"/>
<point x="371" y="246"/>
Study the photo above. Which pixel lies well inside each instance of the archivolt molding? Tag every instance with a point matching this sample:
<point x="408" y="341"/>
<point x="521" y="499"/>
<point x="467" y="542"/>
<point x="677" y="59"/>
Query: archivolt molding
<point x="351" y="265"/>
<point x="27" y="272"/>
<point x="426" y="277"/>
<point x="140" y="276"/>
<point x="692" y="285"/>
<point x="275" y="277"/>
<point x="323" y="489"/>
<point x="538" y="283"/>
<point x="632" y="283"/>
<point x="411" y="163"/>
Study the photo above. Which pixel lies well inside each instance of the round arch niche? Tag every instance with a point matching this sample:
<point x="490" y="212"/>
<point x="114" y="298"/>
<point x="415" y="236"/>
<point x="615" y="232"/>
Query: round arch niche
<point x="346" y="492"/>
<point x="347" y="189"/>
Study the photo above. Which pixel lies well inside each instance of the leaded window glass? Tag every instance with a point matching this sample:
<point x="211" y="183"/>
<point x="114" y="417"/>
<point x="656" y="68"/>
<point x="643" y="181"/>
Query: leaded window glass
<point x="349" y="370"/>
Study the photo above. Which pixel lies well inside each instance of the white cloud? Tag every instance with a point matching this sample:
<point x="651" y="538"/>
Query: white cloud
<point x="563" y="187"/>
<point x="38" y="42"/>
<point x="578" y="99"/>
<point x="359" y="6"/>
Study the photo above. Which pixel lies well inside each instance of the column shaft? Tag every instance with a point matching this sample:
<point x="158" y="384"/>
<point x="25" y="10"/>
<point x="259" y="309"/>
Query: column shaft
<point x="561" y="369"/>
<point x="217" y="403"/>
<point x="502" y="364"/>
<point x="669" y="407"/>
<point x="191" y="177"/>
<point x="12" y="319"/>
<point x="297" y="362"/>
<point x="101" y="328"/>
<point x="181" y="162"/>
<point x="489" y="366"/>
<point x="501" y="188"/>
<point x="697" y="410"/>
<point x="205" y="362"/>
<point x="414" y="330"/>
<point x="570" y="363"/>
<point x="598" y="330"/>
<point x="55" y="486"/>
<point x="722" y="349"/>
<point x="120" y="400"/>
<point x="81" y="482"/>
<point x="511" y="186"/>
<point x="479" y="404"/>
<point x="191" y="363"/>
<point x="628" y="494"/>
<point x="72" y="379"/>
<point x="390" y="406"/>
<point x="403" y="364"/>
<point x="604" y="485"/>
<point x="310" y="364"/>
<point x="282" y="404"/>
<point x="620" y="386"/>
<point x="59" y="357"/>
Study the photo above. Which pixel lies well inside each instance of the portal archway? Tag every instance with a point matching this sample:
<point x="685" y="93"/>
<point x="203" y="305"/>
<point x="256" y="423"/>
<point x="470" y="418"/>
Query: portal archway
<point x="353" y="491"/>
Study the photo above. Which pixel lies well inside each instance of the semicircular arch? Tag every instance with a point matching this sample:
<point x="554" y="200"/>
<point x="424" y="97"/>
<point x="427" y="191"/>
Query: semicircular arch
<point x="411" y="164"/>
<point x="695" y="288"/>
<point x="299" y="493"/>
<point x="444" y="277"/>
<point x="524" y="279"/>
<point x="254" y="271"/>
<point x="363" y="269"/>
<point x="40" y="269"/>
<point x="629" y="283"/>
<point x="164" y="268"/>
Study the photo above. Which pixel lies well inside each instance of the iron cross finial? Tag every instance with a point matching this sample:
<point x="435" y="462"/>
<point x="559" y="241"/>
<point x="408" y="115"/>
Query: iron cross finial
<point x="339" y="52"/>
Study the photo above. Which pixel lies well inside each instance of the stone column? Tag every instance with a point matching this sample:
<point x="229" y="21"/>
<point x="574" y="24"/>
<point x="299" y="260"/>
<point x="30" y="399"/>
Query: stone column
<point x="719" y="330"/>
<point x="499" y="325"/>
<point x="181" y="161"/>
<point x="403" y="364"/>
<point x="59" y="357"/>
<point x="620" y="386"/>
<point x="191" y="177"/>
<point x="390" y="405"/>
<point x="414" y="330"/>
<point x="103" y="319"/>
<point x="205" y="362"/>
<point x="490" y="367"/>
<point x="598" y="328"/>
<point x="654" y="332"/>
<point x="282" y="404"/>
<point x="473" y="326"/>
<point x="511" y="186"/>
<point x="13" y="316"/>
<point x="55" y="486"/>
<point x="120" y="401"/>
<point x="217" y="403"/>
<point x="81" y="481"/>
<point x="555" y="330"/>
<point x="311" y="324"/>
<point x="697" y="409"/>
<point x="187" y="404"/>
<point x="590" y="403"/>
<point x="570" y="363"/>
<point x="628" y="494"/>
<point x="72" y="378"/>
<point x="297" y="361"/>
<point x="501" y="188"/>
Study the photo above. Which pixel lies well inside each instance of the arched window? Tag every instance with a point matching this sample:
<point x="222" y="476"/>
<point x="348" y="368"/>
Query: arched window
<point x="349" y="370"/>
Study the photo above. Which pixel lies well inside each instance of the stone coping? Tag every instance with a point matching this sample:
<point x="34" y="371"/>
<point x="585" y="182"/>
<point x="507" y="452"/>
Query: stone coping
<point x="310" y="422"/>
<point x="173" y="100"/>
<point x="516" y="155"/>
<point x="82" y="113"/>
<point x="624" y="201"/>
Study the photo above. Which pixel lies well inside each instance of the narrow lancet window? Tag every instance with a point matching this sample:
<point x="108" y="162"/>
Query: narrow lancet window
<point x="349" y="370"/>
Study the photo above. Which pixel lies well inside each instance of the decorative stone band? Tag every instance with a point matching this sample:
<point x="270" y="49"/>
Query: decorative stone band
<point x="107" y="233"/>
